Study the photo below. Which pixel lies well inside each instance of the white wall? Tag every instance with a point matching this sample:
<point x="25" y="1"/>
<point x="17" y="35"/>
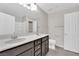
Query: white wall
<point x="42" y="21"/>
<point x="56" y="25"/>
<point x="56" y="28"/>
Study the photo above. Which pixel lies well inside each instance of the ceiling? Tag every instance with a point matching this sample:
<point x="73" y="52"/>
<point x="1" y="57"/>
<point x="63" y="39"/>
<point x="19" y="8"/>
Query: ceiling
<point x="16" y="9"/>
<point x="54" y="7"/>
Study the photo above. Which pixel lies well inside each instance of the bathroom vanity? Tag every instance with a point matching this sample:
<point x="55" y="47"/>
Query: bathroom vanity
<point x="32" y="46"/>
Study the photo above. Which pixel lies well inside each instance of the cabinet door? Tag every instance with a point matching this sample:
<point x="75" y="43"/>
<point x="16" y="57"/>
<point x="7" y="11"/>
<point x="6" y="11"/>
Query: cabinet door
<point x="43" y="48"/>
<point x="29" y="52"/>
<point x="45" y="45"/>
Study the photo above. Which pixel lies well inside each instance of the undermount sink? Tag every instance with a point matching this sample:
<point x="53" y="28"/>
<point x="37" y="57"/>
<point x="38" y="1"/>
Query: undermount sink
<point x="15" y="40"/>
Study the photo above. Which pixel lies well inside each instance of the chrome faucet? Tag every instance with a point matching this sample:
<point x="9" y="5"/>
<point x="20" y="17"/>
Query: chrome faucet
<point x="14" y="36"/>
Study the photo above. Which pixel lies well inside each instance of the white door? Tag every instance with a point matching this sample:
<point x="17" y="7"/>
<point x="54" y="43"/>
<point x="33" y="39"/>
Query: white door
<point x="71" y="32"/>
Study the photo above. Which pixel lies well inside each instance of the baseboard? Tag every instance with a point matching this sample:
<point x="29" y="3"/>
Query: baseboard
<point x="67" y="49"/>
<point x="60" y="46"/>
<point x="72" y="51"/>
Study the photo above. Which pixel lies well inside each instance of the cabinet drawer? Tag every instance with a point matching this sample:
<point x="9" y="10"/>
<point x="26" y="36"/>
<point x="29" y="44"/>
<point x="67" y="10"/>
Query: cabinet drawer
<point x="37" y="41"/>
<point x="30" y="52"/>
<point x="37" y="47"/>
<point x="17" y="50"/>
<point x="44" y="38"/>
<point x="38" y="52"/>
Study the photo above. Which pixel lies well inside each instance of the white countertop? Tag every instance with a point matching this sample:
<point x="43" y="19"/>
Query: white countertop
<point x="6" y="44"/>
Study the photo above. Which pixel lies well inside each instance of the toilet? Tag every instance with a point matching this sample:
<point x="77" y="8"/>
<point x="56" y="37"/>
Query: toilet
<point x="52" y="44"/>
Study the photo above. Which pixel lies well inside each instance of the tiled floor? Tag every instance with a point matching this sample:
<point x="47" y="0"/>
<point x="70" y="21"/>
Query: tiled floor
<point x="61" y="52"/>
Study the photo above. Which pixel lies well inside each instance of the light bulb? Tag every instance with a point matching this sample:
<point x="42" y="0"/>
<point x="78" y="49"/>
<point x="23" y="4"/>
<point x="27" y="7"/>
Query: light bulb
<point x="33" y="7"/>
<point x="28" y="6"/>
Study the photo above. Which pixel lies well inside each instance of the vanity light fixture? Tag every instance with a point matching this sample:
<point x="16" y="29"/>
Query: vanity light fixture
<point x="30" y="6"/>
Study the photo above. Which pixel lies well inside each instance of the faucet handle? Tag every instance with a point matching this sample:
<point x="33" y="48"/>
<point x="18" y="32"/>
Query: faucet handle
<point x="14" y="36"/>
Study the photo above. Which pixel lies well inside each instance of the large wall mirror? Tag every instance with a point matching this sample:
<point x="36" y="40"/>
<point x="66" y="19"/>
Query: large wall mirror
<point x="13" y="26"/>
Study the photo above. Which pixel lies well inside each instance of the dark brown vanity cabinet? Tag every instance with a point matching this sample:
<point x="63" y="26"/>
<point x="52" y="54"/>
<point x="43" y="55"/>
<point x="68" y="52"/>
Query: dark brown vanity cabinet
<point x="18" y="50"/>
<point x="38" y="47"/>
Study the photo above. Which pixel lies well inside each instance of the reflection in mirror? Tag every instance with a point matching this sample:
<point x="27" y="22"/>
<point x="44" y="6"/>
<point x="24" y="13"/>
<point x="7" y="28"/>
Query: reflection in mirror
<point x="25" y="26"/>
<point x="7" y="25"/>
<point x="32" y="26"/>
